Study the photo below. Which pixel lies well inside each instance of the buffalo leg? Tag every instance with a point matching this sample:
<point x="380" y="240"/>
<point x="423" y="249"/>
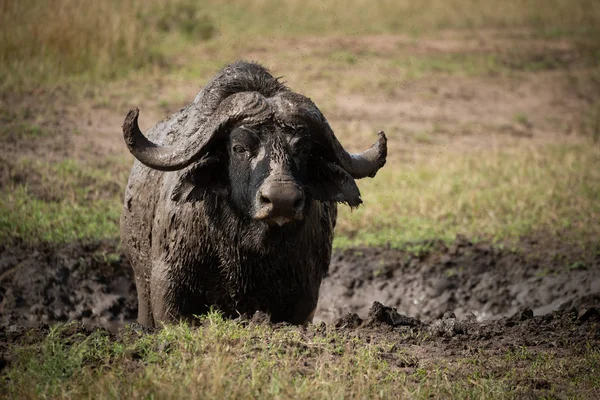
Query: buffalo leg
<point x="143" y="295"/>
<point x="162" y="294"/>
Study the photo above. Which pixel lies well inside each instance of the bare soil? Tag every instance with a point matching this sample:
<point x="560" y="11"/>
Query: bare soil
<point x="93" y="283"/>
<point x="84" y="282"/>
<point x="465" y="278"/>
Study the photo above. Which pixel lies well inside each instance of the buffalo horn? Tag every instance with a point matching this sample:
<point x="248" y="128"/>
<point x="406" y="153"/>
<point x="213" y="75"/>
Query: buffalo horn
<point x="359" y="165"/>
<point x="362" y="164"/>
<point x="250" y="106"/>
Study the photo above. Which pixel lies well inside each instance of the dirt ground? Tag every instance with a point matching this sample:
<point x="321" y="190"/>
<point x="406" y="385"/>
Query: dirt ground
<point x="93" y="283"/>
<point x="84" y="282"/>
<point x="465" y="278"/>
<point x="521" y="340"/>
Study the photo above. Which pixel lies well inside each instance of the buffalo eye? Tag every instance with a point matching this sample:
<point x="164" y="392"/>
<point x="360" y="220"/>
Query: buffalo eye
<point x="303" y="151"/>
<point x="239" y="149"/>
<point x="302" y="148"/>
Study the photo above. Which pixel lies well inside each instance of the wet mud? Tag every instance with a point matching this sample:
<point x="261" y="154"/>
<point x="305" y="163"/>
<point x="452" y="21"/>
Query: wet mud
<point x="468" y="279"/>
<point x="87" y="282"/>
<point x="476" y="282"/>
<point x="568" y="334"/>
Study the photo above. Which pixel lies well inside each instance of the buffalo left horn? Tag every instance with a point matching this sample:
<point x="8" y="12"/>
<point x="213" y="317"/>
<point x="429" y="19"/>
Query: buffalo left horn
<point x="240" y="106"/>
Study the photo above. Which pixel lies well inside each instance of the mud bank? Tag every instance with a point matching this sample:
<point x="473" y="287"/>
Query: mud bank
<point x="93" y="283"/>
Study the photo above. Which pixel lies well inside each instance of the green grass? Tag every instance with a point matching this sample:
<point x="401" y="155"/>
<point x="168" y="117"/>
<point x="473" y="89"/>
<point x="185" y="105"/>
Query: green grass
<point x="497" y="194"/>
<point x="32" y="220"/>
<point x="20" y="130"/>
<point x="455" y="64"/>
<point x="220" y="359"/>
<point x="591" y="122"/>
<point x="522" y="119"/>
<point x="314" y="17"/>
<point x="229" y="359"/>
<point x="60" y="202"/>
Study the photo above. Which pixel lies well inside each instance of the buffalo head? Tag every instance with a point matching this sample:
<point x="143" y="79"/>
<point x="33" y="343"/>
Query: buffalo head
<point x="268" y="156"/>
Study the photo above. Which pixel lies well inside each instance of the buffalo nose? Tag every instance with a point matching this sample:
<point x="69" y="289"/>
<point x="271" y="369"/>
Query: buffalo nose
<point x="281" y="199"/>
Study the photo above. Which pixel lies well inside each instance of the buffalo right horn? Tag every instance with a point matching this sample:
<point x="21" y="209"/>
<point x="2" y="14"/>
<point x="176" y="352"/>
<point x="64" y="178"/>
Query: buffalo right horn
<point x="357" y="165"/>
<point x="362" y="164"/>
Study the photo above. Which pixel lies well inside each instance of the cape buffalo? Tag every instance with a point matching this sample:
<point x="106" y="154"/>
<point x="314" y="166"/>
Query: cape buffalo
<point x="232" y="201"/>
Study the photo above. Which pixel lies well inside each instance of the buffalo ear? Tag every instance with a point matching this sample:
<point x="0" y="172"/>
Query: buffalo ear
<point x="330" y="182"/>
<point x="202" y="177"/>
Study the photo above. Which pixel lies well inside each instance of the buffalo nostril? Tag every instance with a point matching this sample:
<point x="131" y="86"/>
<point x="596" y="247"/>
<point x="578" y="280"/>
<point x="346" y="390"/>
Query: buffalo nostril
<point x="298" y="203"/>
<point x="264" y="200"/>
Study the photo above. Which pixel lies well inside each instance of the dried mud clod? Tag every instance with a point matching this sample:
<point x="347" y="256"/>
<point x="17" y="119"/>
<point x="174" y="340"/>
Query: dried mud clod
<point x="449" y="326"/>
<point x="522" y="315"/>
<point x="589" y="314"/>
<point x="260" y="318"/>
<point x="348" y="321"/>
<point x="573" y="329"/>
<point x="380" y="314"/>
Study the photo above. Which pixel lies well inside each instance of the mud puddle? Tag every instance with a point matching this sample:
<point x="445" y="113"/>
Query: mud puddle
<point x="87" y="282"/>
<point x="465" y="278"/>
<point x="93" y="283"/>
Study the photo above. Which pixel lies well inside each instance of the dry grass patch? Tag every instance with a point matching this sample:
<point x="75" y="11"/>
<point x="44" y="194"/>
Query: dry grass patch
<point x="46" y="41"/>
